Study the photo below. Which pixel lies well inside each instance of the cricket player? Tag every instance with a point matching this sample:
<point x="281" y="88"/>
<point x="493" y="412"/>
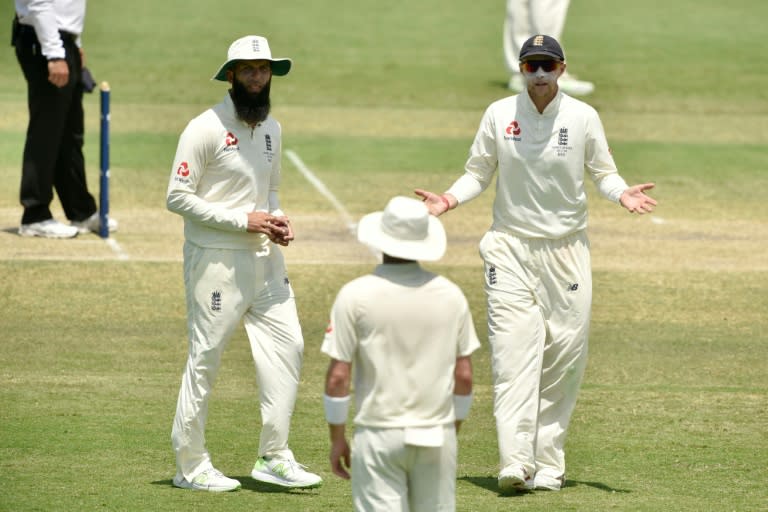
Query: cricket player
<point x="525" y="18"/>
<point x="409" y="335"/>
<point x="224" y="183"/>
<point x="538" y="278"/>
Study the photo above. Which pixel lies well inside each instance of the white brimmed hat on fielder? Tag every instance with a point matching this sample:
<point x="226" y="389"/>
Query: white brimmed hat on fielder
<point x="405" y="230"/>
<point x="252" y="48"/>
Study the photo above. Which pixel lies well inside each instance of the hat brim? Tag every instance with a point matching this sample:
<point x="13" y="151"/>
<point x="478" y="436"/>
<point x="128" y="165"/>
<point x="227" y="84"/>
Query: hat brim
<point x="280" y="67"/>
<point x="542" y="53"/>
<point x="431" y="248"/>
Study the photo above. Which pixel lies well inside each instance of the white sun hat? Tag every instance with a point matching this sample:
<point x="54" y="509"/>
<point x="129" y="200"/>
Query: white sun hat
<point x="405" y="229"/>
<point x="252" y="48"/>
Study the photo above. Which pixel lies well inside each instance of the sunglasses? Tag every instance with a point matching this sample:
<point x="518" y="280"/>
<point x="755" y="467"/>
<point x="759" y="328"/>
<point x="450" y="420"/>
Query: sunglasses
<point x="530" y="66"/>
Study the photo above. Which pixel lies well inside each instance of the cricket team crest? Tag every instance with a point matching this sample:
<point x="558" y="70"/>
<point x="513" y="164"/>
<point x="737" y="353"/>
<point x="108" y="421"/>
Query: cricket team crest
<point x="216" y="300"/>
<point x="562" y="148"/>
<point x="268" y="153"/>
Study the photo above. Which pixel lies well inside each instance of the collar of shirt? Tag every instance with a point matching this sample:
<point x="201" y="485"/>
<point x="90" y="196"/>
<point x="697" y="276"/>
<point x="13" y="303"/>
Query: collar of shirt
<point x="549" y="111"/>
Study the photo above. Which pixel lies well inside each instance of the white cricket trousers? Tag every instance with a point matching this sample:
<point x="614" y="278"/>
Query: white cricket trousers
<point x="539" y="294"/>
<point x="526" y="18"/>
<point x="223" y="288"/>
<point x="391" y="476"/>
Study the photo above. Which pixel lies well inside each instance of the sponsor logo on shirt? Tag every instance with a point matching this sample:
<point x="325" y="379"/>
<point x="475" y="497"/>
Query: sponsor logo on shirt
<point x="183" y="169"/>
<point x="230" y="142"/>
<point x="513" y="132"/>
<point x="182" y="173"/>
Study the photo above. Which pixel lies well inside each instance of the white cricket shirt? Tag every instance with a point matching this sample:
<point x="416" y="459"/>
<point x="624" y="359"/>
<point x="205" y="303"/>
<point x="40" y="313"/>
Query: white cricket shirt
<point x="224" y="169"/>
<point x="48" y="17"/>
<point x="541" y="161"/>
<point x="402" y="329"/>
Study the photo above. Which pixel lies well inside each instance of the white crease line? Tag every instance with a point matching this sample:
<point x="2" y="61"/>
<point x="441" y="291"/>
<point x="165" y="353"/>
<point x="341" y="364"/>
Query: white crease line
<point x="320" y="186"/>
<point x="119" y="252"/>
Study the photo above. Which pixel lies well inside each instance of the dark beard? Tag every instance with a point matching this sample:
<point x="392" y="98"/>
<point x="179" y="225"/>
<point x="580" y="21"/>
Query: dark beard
<point x="251" y="108"/>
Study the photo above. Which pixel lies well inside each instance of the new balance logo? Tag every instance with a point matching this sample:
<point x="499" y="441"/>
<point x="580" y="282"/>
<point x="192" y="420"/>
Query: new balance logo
<point x="573" y="287"/>
<point x="563" y="137"/>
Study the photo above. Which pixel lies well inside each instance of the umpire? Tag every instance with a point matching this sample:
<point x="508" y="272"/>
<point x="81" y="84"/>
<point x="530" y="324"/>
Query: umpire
<point x="46" y="35"/>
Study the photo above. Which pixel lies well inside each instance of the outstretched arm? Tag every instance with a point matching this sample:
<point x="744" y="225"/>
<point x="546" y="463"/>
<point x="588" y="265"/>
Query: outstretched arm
<point x="635" y="200"/>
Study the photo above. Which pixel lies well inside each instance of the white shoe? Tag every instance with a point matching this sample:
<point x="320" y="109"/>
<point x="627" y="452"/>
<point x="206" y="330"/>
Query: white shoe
<point x="211" y="480"/>
<point x="548" y="483"/>
<point x="48" y="229"/>
<point x="93" y="223"/>
<point x="515" y="478"/>
<point x="569" y="84"/>
<point x="285" y="472"/>
<point x="516" y="83"/>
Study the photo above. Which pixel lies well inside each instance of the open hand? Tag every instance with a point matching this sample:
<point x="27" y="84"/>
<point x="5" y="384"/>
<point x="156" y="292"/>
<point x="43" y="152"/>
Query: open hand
<point x="436" y="204"/>
<point x="635" y="200"/>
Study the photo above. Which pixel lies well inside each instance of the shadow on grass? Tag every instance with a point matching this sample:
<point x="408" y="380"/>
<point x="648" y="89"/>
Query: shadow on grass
<point x="490" y="483"/>
<point x="249" y="484"/>
<point x="597" y="485"/>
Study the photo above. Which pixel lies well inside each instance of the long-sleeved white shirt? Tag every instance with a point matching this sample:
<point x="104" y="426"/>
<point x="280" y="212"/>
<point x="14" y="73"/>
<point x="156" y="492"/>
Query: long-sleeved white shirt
<point x="541" y="161"/>
<point x="224" y="169"/>
<point x="48" y="17"/>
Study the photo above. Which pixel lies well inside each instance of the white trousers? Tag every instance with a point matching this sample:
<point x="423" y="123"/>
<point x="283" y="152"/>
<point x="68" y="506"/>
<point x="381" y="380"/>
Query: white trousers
<point x="391" y="476"/>
<point x="223" y="288"/>
<point x="526" y="18"/>
<point x="539" y="296"/>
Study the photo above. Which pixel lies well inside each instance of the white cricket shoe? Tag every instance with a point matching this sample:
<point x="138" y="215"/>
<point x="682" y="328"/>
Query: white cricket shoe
<point x="284" y="471"/>
<point x="48" y="229"/>
<point x="515" y="478"/>
<point x="211" y="480"/>
<point x="548" y="483"/>
<point x="569" y="84"/>
<point x="93" y="223"/>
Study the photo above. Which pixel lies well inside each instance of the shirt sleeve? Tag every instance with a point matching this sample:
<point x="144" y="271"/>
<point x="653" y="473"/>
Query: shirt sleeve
<point x="481" y="163"/>
<point x="276" y="177"/>
<point x="340" y="341"/>
<point x="192" y="154"/>
<point x="599" y="161"/>
<point x="42" y="16"/>
<point x="468" y="340"/>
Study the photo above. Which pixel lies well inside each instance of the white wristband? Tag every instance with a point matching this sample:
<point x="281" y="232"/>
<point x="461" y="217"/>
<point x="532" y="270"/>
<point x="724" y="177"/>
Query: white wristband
<point x="461" y="405"/>
<point x="336" y="409"/>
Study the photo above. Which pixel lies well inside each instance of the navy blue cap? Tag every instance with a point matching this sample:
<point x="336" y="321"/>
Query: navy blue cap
<point x="542" y="45"/>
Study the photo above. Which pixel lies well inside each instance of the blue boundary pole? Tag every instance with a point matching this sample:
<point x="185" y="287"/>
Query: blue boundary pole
<point x="104" y="163"/>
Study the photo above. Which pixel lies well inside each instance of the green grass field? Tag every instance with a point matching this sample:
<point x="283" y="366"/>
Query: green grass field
<point x="384" y="98"/>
